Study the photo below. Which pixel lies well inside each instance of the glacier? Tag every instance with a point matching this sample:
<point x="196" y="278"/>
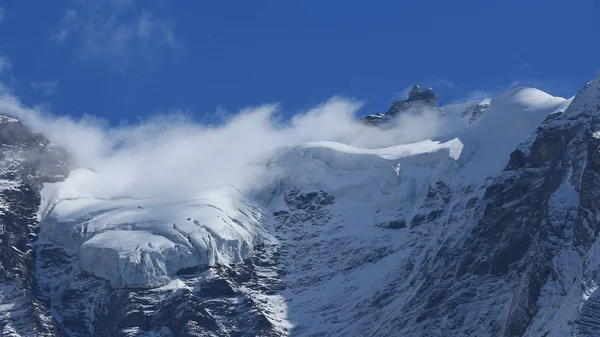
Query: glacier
<point x="144" y="242"/>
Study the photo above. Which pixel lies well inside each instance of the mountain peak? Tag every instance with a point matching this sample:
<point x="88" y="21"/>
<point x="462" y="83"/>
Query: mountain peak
<point x="427" y="96"/>
<point x="414" y="92"/>
<point x="415" y="96"/>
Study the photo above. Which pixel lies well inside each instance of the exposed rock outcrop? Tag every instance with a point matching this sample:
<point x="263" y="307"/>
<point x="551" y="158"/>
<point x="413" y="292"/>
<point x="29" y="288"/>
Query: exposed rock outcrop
<point x="416" y="102"/>
<point x="27" y="160"/>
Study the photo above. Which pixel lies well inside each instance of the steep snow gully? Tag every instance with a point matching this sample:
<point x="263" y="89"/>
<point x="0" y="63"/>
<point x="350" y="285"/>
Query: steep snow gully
<point x="489" y="230"/>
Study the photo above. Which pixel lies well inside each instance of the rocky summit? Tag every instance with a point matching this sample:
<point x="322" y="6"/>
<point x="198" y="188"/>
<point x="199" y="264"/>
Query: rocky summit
<point x="490" y="230"/>
<point x="416" y="102"/>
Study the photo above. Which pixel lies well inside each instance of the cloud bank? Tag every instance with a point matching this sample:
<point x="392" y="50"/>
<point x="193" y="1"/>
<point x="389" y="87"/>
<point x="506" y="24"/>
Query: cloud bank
<point x="173" y="154"/>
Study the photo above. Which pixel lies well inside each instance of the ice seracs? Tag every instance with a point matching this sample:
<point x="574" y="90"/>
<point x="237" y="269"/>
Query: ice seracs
<point x="144" y="242"/>
<point x="133" y="258"/>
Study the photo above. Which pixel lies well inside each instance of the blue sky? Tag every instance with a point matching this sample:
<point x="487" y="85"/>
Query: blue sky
<point x="122" y="59"/>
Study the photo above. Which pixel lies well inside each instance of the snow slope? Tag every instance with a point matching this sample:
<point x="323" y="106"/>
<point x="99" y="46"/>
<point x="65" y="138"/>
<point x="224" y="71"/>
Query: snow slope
<point x="508" y="119"/>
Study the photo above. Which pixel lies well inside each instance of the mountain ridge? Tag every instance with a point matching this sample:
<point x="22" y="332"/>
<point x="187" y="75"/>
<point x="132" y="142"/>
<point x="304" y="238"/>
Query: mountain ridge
<point x="459" y="235"/>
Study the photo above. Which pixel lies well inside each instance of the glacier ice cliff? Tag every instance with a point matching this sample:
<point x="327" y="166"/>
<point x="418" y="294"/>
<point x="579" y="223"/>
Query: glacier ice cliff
<point x="145" y="242"/>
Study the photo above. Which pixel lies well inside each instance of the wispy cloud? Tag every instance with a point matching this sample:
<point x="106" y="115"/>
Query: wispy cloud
<point x="478" y="95"/>
<point x="2" y="14"/>
<point x="68" y="25"/>
<point x="5" y="64"/>
<point x="442" y="83"/>
<point x="115" y="30"/>
<point x="139" y="159"/>
<point x="45" y="87"/>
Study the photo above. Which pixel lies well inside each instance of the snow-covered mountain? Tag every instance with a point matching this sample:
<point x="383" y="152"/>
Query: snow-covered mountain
<point x="488" y="230"/>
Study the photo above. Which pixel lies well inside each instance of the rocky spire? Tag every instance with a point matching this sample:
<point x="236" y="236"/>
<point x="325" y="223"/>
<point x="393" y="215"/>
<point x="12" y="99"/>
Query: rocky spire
<point x="415" y="96"/>
<point x="427" y="96"/>
<point x="414" y="93"/>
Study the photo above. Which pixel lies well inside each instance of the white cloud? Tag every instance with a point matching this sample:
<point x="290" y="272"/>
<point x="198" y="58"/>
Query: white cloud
<point x="441" y="82"/>
<point x="2" y="14"/>
<point x="45" y="87"/>
<point x="171" y="154"/>
<point x="115" y="29"/>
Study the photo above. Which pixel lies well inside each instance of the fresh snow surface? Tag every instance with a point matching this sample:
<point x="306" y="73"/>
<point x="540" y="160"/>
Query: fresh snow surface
<point x="144" y="242"/>
<point x="173" y="285"/>
<point x="508" y="120"/>
<point x="453" y="147"/>
<point x="8" y="119"/>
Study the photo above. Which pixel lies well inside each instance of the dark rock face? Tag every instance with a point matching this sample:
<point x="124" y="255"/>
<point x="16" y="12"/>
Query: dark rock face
<point x="304" y="206"/>
<point x="436" y="201"/>
<point x="310" y="202"/>
<point x="395" y="224"/>
<point x="428" y="96"/>
<point x="542" y="206"/>
<point x="417" y="99"/>
<point x="27" y="160"/>
<point x="375" y="119"/>
<point x="219" y="301"/>
<point x="475" y="111"/>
